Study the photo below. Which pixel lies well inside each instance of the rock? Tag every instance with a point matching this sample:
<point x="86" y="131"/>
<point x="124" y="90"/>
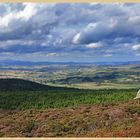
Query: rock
<point x="138" y="95"/>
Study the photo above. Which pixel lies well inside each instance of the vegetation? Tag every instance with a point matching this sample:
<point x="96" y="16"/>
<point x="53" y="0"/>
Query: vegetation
<point x="108" y="120"/>
<point x="20" y="85"/>
<point x="46" y="97"/>
<point x="79" y="76"/>
<point x="96" y="101"/>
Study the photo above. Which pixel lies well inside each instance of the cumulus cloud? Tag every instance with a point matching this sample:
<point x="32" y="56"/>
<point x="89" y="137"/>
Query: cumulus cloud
<point x="11" y="16"/>
<point x="94" y="29"/>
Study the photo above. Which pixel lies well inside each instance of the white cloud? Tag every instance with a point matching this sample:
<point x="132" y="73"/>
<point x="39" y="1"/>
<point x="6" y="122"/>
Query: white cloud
<point x="94" y="45"/>
<point x="76" y="38"/>
<point x="136" y="47"/>
<point x="91" y="26"/>
<point x="28" y="12"/>
<point x="25" y="14"/>
<point x="4" y="21"/>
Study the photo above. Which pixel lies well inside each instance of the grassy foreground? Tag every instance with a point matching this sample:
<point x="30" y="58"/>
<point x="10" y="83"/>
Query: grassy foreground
<point x="120" y="120"/>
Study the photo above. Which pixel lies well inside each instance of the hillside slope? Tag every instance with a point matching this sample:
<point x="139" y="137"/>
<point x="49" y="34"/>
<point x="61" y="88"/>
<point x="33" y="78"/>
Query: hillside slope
<point x="120" y="120"/>
<point x="21" y="85"/>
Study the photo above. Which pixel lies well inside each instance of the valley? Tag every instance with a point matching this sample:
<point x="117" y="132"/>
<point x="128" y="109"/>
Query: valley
<point x="69" y="101"/>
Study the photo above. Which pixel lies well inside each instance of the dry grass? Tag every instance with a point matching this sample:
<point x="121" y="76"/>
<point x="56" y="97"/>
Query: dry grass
<point x="119" y="120"/>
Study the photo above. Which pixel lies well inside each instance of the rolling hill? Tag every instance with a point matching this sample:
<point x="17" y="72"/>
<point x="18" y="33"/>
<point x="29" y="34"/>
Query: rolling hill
<point x="23" y="94"/>
<point x="21" y="85"/>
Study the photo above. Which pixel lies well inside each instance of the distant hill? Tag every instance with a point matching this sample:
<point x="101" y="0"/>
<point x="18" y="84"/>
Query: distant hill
<point x="30" y="63"/>
<point x="20" y="84"/>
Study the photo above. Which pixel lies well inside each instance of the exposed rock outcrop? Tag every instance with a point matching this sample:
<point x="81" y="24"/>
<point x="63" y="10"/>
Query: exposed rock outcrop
<point x="138" y="95"/>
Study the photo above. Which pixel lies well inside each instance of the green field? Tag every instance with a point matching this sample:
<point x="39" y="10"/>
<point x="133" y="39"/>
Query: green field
<point x="27" y="95"/>
<point x="79" y="76"/>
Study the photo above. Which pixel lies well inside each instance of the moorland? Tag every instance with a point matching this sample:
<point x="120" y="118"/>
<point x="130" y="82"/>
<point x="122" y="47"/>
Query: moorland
<point x="69" y="100"/>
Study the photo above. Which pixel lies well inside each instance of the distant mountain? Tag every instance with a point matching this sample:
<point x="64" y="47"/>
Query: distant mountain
<point x="118" y="63"/>
<point x="30" y="63"/>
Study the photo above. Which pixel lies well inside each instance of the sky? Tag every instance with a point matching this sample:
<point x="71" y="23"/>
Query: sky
<point x="76" y="32"/>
